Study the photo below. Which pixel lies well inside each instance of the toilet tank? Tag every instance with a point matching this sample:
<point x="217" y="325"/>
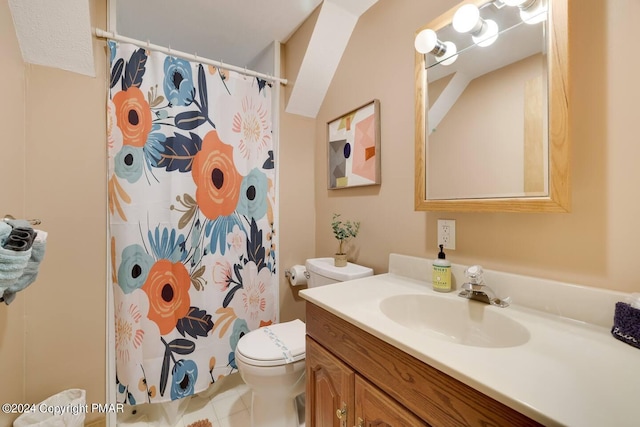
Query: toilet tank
<point x="322" y="271"/>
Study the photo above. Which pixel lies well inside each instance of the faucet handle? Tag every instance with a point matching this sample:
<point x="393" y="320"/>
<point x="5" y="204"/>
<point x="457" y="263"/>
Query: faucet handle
<point x="474" y="274"/>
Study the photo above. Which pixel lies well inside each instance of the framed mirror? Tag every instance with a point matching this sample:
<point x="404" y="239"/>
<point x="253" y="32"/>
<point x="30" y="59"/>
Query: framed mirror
<point x="492" y="108"/>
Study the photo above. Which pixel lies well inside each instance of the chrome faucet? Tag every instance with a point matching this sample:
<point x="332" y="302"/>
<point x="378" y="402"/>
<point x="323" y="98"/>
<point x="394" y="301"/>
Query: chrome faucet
<point x="475" y="288"/>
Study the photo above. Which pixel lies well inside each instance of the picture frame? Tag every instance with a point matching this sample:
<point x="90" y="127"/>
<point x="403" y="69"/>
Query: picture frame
<point x="353" y="148"/>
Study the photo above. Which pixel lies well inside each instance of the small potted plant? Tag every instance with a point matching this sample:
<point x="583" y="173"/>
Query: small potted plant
<point x="343" y="231"/>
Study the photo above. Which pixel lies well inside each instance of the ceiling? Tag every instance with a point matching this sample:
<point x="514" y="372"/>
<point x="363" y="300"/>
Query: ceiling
<point x="232" y="31"/>
<point x="54" y="33"/>
<point x="241" y="33"/>
<point x="236" y="32"/>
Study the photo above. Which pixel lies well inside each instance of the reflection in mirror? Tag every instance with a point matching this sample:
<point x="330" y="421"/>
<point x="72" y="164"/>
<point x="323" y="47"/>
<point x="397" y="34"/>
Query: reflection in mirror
<point x="497" y="82"/>
<point x="483" y="109"/>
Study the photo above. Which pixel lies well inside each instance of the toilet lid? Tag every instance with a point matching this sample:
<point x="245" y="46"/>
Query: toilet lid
<point x="272" y="345"/>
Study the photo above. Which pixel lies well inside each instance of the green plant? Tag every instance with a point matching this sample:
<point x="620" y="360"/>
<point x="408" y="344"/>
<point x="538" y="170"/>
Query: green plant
<point x="344" y="230"/>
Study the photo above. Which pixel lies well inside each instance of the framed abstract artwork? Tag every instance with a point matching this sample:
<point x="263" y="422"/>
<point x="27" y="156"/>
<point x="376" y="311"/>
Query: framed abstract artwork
<point x="354" y="147"/>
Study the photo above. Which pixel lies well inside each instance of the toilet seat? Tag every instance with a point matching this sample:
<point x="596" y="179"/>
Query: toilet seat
<point x="273" y="345"/>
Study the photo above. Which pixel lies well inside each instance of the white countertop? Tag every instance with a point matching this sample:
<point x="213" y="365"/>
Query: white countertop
<point x="568" y="373"/>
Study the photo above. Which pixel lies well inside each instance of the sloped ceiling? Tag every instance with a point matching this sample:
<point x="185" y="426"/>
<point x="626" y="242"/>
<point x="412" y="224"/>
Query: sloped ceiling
<point x="331" y="34"/>
<point x="54" y="33"/>
<point x="232" y="31"/>
<point x="238" y="32"/>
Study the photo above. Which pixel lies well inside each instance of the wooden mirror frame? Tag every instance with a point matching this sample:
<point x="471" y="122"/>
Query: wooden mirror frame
<point x="559" y="196"/>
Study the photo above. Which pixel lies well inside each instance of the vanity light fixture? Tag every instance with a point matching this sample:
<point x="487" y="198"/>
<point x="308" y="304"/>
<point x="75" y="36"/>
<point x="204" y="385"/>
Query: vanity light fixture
<point x="484" y="32"/>
<point x="531" y="11"/>
<point x="534" y="12"/>
<point x="427" y="42"/>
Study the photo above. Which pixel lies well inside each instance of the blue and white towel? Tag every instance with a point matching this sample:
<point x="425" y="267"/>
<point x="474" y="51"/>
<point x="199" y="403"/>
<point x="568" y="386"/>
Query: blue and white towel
<point x="18" y="269"/>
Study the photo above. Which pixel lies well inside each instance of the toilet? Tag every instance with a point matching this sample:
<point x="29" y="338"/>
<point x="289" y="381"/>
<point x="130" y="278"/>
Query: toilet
<point x="271" y="359"/>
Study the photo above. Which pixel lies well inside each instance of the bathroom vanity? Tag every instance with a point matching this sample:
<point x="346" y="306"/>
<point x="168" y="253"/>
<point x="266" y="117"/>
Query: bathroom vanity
<point x="369" y="379"/>
<point x="388" y="350"/>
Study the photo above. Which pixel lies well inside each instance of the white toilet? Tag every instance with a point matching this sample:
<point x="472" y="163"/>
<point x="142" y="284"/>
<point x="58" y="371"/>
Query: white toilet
<point x="271" y="359"/>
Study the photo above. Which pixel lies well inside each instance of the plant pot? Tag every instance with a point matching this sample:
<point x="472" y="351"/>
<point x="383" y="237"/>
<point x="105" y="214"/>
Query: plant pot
<point x="340" y="260"/>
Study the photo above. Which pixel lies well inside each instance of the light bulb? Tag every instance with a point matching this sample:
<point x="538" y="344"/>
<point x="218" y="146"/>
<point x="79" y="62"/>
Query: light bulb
<point x="488" y="35"/>
<point x="535" y="13"/>
<point x="467" y="19"/>
<point x="450" y="55"/>
<point x="426" y="41"/>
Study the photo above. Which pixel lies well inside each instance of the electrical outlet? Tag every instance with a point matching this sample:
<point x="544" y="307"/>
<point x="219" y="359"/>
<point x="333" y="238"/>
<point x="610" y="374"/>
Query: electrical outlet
<point x="447" y="233"/>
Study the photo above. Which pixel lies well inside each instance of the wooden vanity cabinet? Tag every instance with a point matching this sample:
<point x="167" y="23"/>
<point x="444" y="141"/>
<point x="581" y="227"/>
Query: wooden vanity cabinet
<point x="330" y="388"/>
<point x="370" y="383"/>
<point x="375" y="409"/>
<point x="338" y="397"/>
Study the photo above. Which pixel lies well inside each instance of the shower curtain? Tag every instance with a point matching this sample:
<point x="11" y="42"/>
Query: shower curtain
<point x="191" y="220"/>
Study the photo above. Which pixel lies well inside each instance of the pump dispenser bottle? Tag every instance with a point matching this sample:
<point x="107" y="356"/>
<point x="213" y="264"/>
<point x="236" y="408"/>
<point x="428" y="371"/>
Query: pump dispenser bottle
<point x="441" y="278"/>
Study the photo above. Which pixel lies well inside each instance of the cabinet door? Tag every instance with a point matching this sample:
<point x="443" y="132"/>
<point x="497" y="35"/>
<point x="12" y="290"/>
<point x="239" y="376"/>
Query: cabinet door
<point x="330" y="393"/>
<point x="375" y="409"/>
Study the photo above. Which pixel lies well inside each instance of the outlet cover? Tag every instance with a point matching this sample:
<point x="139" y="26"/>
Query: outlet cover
<point x="447" y="233"/>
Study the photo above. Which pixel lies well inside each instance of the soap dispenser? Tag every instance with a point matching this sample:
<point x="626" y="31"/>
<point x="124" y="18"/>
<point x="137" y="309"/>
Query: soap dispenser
<point x="441" y="278"/>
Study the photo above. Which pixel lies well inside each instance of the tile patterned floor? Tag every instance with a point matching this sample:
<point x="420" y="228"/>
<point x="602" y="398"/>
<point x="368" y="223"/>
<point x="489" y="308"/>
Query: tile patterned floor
<point x="226" y="404"/>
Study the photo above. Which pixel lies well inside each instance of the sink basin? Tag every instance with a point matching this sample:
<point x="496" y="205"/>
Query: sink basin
<point x="458" y="320"/>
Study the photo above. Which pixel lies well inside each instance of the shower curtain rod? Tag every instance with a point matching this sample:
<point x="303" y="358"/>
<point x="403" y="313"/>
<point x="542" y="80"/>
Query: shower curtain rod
<point x="192" y="57"/>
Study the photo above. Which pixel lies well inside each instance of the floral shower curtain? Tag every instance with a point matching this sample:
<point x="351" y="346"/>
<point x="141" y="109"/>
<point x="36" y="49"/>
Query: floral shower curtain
<point x="191" y="208"/>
